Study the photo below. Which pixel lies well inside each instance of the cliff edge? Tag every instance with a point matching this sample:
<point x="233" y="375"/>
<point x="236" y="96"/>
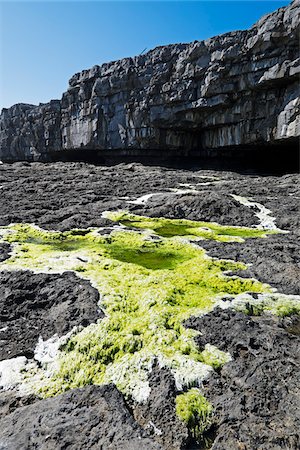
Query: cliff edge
<point x="234" y="90"/>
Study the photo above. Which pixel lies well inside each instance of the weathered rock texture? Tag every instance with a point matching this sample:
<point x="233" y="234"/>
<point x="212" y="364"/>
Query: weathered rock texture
<point x="237" y="89"/>
<point x="89" y="418"/>
<point x="255" y="396"/>
<point x="63" y="196"/>
<point x="157" y="415"/>
<point x="41" y="305"/>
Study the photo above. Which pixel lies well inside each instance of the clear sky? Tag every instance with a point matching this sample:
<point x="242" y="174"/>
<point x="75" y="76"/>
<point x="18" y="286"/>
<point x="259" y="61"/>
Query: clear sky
<point x="44" y="43"/>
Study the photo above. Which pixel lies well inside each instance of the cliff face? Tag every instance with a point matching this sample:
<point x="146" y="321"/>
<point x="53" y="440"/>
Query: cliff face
<point x="237" y="89"/>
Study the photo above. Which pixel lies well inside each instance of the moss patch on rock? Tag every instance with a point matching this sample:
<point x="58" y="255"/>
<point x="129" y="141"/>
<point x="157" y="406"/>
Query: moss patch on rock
<point x="280" y="305"/>
<point x="149" y="285"/>
<point x="181" y="227"/>
<point x="194" y="410"/>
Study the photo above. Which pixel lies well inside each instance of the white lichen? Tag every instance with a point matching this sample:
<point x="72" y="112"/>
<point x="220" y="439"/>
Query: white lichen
<point x="47" y="352"/>
<point x="186" y="371"/>
<point x="151" y="425"/>
<point x="144" y="198"/>
<point x="269" y="303"/>
<point x="171" y="191"/>
<point x="12" y="372"/>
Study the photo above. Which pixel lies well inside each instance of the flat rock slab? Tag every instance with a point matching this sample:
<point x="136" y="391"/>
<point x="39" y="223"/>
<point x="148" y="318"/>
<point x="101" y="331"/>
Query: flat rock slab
<point x="275" y="260"/>
<point x="42" y="305"/>
<point x="89" y="418"/>
<point x="62" y="196"/>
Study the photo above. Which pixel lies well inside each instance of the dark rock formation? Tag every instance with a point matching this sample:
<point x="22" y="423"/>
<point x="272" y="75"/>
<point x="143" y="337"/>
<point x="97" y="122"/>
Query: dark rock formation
<point x="11" y="400"/>
<point x="67" y="195"/>
<point x="275" y="261"/>
<point x="34" y="305"/>
<point x="210" y="203"/>
<point x="89" y="418"/>
<point x="256" y="396"/>
<point x="157" y="415"/>
<point x="4" y="251"/>
<point x="237" y="89"/>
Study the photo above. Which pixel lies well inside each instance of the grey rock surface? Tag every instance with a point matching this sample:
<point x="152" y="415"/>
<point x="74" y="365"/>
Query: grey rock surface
<point x="276" y="262"/>
<point x="42" y="305"/>
<point x="62" y="196"/>
<point x="10" y="400"/>
<point x="157" y="415"/>
<point x="4" y="251"/>
<point x="89" y="418"/>
<point x="237" y="89"/>
<point x="256" y="396"/>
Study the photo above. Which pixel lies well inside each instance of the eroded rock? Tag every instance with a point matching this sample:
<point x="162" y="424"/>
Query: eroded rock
<point x="4" y="251"/>
<point x="275" y="261"/>
<point x="256" y="395"/>
<point x="89" y="418"/>
<point x="237" y="89"/>
<point x="42" y="305"/>
<point x="157" y="415"/>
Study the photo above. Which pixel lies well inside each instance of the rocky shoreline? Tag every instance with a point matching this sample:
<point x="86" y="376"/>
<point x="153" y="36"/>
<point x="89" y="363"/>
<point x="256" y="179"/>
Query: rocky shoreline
<point x="255" y="396"/>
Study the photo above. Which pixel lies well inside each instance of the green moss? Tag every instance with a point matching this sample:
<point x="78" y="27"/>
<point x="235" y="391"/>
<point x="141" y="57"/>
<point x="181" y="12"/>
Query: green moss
<point x="214" y="357"/>
<point x="195" y="411"/>
<point x="182" y="227"/>
<point x="278" y="304"/>
<point x="148" y="287"/>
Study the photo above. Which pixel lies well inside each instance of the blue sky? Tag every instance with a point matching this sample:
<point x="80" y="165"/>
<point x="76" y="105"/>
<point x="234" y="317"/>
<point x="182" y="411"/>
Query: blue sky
<point x="44" y="43"/>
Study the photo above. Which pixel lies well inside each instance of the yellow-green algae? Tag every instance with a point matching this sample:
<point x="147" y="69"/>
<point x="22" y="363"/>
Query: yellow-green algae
<point x="193" y="409"/>
<point x="149" y="285"/>
<point x="182" y="227"/>
<point x="275" y="303"/>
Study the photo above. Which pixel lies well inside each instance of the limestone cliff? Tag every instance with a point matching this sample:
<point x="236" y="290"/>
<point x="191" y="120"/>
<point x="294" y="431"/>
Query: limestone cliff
<point x="237" y="89"/>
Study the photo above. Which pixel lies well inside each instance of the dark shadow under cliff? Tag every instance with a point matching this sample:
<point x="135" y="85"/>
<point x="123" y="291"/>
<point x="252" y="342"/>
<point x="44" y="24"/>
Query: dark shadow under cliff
<point x="275" y="159"/>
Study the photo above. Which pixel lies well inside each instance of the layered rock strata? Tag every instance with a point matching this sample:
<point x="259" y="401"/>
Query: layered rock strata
<point x="237" y="89"/>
